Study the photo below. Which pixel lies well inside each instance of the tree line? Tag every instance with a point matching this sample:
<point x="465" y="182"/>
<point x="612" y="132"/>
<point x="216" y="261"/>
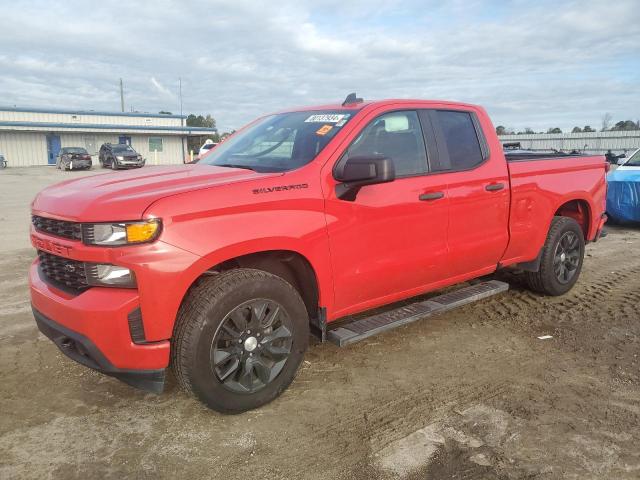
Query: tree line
<point x="607" y="125"/>
<point x="206" y="121"/>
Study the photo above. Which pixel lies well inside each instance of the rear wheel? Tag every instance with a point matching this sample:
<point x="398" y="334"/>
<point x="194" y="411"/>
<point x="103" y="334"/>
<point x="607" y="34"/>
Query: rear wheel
<point x="562" y="258"/>
<point x="239" y="339"/>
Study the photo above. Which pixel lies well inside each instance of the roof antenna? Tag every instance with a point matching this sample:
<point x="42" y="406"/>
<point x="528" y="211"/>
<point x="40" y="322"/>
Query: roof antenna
<point x="351" y="98"/>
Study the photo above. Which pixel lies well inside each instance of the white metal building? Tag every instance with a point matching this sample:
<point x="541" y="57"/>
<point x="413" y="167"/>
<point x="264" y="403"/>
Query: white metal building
<point x="34" y="136"/>
<point x="596" y="143"/>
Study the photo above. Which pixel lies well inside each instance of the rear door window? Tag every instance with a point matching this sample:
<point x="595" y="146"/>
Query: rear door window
<point x="460" y="138"/>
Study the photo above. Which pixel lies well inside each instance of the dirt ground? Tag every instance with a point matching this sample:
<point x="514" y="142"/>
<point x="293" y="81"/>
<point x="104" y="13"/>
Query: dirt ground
<point x="471" y="394"/>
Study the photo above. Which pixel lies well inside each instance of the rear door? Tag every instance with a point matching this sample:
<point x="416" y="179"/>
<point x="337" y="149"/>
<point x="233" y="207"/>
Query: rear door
<point x="478" y="190"/>
<point x="391" y="241"/>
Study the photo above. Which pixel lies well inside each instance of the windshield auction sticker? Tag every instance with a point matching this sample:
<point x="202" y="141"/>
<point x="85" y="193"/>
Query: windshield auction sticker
<point x="325" y="118"/>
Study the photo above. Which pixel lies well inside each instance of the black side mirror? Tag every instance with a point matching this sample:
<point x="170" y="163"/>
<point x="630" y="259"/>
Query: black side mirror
<point x="356" y="172"/>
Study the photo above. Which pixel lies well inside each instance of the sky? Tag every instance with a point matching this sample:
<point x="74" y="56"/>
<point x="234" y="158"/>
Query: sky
<point x="534" y="63"/>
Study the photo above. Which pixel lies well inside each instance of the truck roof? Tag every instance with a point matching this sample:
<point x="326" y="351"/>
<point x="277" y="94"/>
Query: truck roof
<point x="375" y="103"/>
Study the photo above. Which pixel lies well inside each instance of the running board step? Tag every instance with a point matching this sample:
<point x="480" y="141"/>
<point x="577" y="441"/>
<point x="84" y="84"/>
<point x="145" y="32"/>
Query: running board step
<point x="369" y="326"/>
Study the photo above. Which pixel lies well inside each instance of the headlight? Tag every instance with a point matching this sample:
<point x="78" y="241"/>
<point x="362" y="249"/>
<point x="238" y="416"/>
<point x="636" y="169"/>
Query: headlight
<point x="105" y="275"/>
<point x="125" y="233"/>
<point x="120" y="158"/>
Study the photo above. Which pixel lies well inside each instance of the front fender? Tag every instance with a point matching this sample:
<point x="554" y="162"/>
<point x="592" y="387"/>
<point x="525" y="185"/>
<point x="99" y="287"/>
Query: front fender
<point x="229" y="221"/>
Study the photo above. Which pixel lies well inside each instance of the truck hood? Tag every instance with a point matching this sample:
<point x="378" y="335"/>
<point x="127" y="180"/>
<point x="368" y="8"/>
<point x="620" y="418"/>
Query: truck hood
<point x="126" y="195"/>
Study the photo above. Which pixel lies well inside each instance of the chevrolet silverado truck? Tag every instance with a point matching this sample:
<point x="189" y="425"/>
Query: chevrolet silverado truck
<point x="299" y="221"/>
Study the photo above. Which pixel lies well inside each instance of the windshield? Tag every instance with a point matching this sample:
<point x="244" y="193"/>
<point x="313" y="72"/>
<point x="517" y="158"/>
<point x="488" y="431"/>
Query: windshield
<point x="73" y="150"/>
<point x="634" y="160"/>
<point x="280" y="142"/>
<point x="122" y="148"/>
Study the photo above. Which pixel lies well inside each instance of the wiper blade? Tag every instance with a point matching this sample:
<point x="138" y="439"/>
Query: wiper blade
<point x="234" y="165"/>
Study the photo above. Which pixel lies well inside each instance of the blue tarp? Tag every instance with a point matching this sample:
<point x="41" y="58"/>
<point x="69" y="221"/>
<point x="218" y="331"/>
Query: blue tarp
<point x="623" y="196"/>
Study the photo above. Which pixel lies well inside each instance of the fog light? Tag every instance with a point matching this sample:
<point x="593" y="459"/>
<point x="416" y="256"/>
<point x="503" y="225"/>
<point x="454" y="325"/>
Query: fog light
<point x="105" y="275"/>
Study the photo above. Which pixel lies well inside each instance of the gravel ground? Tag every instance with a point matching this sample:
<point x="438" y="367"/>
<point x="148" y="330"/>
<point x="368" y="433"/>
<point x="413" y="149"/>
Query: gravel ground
<point x="468" y="394"/>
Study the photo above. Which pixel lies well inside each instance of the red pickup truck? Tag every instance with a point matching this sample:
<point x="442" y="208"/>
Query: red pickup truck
<point x="222" y="269"/>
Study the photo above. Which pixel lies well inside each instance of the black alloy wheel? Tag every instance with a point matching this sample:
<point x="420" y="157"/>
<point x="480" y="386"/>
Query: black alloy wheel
<point x="239" y="339"/>
<point x="566" y="258"/>
<point x="561" y="258"/>
<point x="252" y="345"/>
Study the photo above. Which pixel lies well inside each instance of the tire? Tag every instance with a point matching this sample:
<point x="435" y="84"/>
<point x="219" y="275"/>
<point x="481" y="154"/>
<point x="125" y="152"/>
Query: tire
<point x="113" y="164"/>
<point x="562" y="258"/>
<point x="214" y="325"/>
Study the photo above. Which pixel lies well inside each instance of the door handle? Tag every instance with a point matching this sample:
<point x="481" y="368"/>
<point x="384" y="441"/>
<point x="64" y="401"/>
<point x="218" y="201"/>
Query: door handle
<point x="494" y="187"/>
<point x="427" y="197"/>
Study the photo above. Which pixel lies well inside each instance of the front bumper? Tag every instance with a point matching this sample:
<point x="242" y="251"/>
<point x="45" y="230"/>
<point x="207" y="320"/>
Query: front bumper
<point x="84" y="351"/>
<point x="129" y="163"/>
<point x="96" y="322"/>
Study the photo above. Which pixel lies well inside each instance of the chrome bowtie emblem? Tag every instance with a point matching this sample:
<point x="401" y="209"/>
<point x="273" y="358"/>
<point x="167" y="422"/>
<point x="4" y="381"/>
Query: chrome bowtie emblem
<point x="70" y="268"/>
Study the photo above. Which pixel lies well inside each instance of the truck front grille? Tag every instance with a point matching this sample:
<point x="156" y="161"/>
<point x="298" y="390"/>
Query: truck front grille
<point x="63" y="271"/>
<point x="59" y="228"/>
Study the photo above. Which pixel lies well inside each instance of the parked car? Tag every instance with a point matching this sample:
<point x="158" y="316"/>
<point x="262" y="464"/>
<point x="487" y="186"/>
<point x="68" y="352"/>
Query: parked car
<point x="118" y="155"/>
<point x="630" y="162"/>
<point x="305" y="217"/>
<point x="73" y="158"/>
<point x="207" y="146"/>
<point x="623" y="194"/>
<point x="3" y="161"/>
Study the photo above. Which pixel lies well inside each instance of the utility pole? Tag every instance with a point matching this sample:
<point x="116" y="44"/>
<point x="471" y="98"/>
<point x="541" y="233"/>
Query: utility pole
<point x="121" y="96"/>
<point x="181" y="116"/>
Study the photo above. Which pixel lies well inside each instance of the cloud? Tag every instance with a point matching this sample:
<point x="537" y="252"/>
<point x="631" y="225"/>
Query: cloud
<point x="535" y="64"/>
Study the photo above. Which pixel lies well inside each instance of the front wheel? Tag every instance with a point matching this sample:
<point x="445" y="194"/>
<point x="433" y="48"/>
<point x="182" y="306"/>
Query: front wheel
<point x="562" y="258"/>
<point x="239" y="339"/>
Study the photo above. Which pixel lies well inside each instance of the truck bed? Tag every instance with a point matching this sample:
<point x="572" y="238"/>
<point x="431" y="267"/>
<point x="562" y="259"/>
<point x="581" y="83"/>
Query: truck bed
<point x="538" y="185"/>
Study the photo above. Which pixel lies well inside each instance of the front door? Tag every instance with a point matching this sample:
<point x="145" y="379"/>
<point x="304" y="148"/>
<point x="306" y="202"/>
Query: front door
<point x="53" y="148"/>
<point x="391" y="241"/>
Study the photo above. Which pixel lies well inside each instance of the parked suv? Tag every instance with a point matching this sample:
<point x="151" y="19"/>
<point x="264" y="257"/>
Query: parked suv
<point x="118" y="155"/>
<point x="73" y="158"/>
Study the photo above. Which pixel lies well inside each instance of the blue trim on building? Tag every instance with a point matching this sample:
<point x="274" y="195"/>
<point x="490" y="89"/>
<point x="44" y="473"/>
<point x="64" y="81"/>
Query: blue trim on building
<point x="88" y="112"/>
<point x="116" y="128"/>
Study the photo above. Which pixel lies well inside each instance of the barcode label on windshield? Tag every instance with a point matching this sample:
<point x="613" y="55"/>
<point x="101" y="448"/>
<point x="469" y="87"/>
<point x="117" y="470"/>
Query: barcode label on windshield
<point x="325" y="118"/>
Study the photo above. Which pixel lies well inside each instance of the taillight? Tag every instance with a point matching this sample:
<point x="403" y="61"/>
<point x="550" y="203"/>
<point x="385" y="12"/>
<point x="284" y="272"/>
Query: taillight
<point x="87" y="157"/>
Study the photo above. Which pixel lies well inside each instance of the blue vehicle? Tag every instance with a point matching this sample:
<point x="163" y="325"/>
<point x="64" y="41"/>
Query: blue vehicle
<point x="623" y="194"/>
